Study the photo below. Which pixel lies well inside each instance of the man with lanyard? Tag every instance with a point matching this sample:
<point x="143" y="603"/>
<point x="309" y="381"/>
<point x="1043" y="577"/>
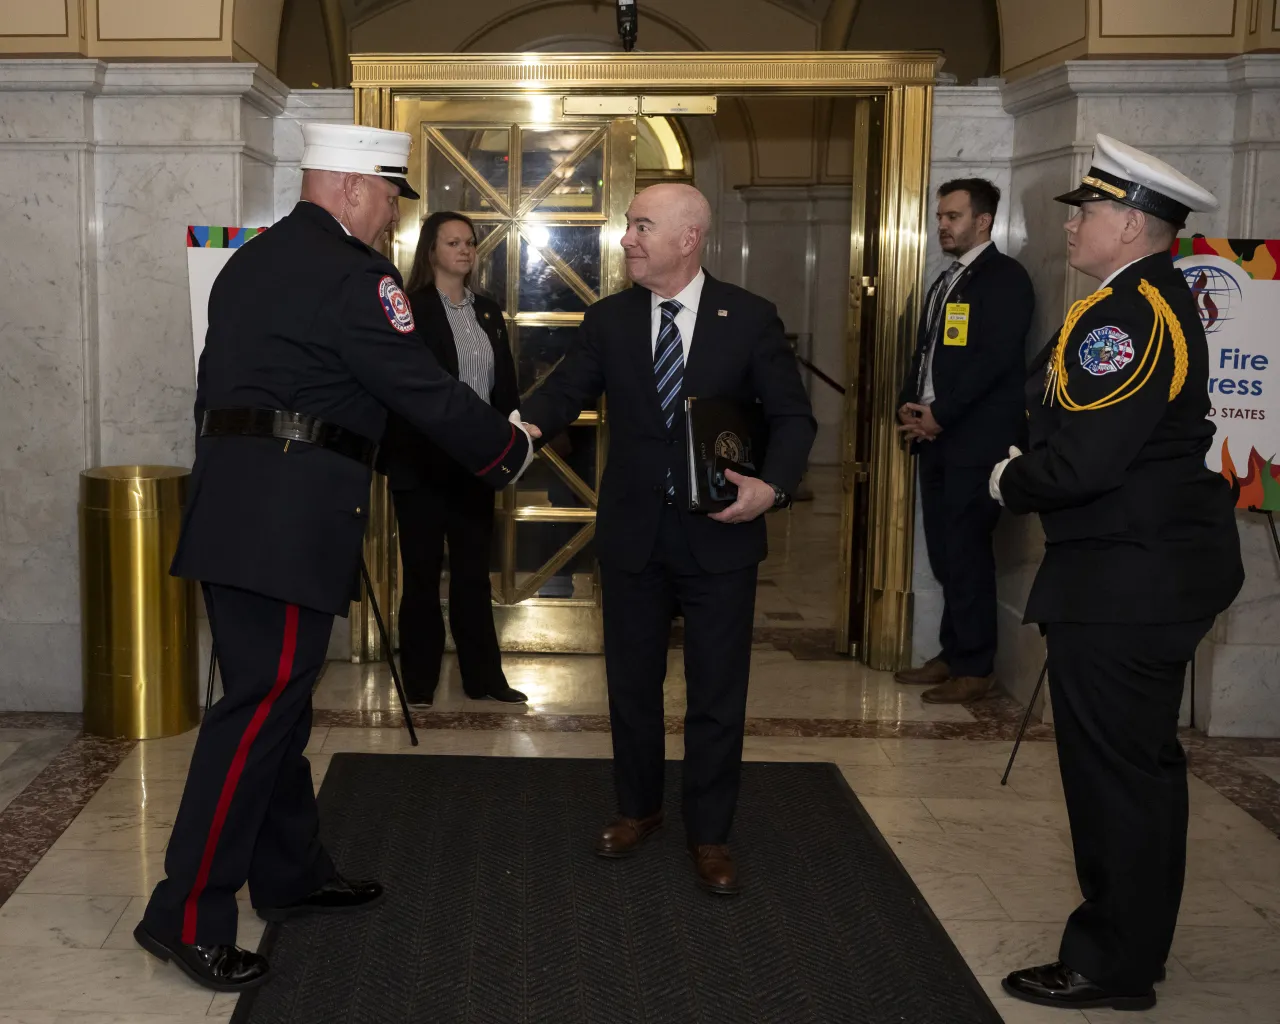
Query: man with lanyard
<point x="310" y="341"/>
<point x="961" y="407"/>
<point x="1141" y="552"/>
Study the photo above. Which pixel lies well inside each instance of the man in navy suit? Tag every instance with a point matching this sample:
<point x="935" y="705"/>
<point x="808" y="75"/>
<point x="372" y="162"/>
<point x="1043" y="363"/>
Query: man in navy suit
<point x="962" y="407"/>
<point x="678" y="332"/>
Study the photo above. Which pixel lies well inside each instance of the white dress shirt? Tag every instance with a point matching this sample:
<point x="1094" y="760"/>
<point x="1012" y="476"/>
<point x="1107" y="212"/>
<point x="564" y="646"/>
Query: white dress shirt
<point x="685" y="319"/>
<point x="927" y="393"/>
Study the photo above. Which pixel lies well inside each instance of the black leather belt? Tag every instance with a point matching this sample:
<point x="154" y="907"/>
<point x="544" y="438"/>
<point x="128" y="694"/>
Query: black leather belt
<point x="289" y="426"/>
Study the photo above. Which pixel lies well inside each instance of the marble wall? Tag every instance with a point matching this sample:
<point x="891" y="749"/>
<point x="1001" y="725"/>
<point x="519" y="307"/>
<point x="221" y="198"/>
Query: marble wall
<point x="1219" y="121"/>
<point x="791" y="245"/>
<point x="102" y="167"/>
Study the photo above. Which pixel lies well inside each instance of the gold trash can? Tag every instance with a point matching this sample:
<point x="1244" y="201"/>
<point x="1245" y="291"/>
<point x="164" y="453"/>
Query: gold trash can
<point x="137" y="623"/>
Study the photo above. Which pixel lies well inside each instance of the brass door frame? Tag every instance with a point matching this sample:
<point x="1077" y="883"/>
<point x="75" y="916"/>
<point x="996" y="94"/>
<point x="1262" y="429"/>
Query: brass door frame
<point x="904" y="82"/>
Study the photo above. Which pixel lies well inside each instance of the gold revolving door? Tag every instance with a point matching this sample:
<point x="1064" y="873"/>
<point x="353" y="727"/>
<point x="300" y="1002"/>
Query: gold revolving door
<point x="548" y="191"/>
<point x="540" y="150"/>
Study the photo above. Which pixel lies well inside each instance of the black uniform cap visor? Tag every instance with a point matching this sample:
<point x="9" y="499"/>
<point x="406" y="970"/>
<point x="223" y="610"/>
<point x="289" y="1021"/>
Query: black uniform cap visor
<point x="1140" y="197"/>
<point x="406" y="190"/>
<point x="1083" y="194"/>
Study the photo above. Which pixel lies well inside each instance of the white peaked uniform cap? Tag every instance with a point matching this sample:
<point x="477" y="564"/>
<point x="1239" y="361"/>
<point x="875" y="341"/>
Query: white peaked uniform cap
<point x="1128" y="175"/>
<point x="359" y="150"/>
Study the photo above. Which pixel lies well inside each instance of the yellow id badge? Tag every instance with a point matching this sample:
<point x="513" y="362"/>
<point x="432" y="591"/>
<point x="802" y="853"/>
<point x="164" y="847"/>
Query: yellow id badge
<point x="955" y="328"/>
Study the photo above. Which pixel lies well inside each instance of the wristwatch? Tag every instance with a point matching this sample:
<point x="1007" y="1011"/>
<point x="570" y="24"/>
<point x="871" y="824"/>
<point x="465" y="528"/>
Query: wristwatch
<point x="781" y="499"/>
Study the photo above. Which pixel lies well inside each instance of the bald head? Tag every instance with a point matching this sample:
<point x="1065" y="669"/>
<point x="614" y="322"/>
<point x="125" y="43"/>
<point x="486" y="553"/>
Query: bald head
<point x="365" y="204"/>
<point x="667" y="227"/>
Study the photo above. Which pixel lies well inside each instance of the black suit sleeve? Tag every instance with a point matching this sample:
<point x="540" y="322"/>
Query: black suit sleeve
<point x="775" y="378"/>
<point x="1091" y="452"/>
<point x="575" y="383"/>
<point x="998" y="329"/>
<point x="908" y="392"/>
<point x="396" y="367"/>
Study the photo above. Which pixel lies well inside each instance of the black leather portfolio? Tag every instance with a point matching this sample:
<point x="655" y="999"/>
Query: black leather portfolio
<point x="720" y="434"/>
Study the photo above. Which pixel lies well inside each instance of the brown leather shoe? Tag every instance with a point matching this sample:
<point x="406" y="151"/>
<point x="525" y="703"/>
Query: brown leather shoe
<point x="931" y="673"/>
<point x="716" y="870"/>
<point x="623" y="836"/>
<point x="959" y="690"/>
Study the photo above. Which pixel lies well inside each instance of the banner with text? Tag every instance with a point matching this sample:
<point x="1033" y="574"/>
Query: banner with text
<point x="1236" y="283"/>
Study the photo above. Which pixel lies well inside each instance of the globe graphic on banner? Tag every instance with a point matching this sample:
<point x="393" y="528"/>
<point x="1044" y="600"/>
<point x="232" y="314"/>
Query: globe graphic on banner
<point x="1216" y="293"/>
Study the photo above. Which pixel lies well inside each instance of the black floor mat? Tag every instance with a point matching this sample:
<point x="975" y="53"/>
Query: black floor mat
<point x="498" y="911"/>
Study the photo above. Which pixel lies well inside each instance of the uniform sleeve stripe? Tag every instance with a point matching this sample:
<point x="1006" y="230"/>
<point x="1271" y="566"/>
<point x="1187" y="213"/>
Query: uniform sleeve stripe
<point x="498" y="461"/>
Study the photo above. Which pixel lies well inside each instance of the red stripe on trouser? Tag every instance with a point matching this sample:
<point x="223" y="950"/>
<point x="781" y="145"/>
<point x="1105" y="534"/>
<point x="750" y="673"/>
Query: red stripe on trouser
<point x="283" y="672"/>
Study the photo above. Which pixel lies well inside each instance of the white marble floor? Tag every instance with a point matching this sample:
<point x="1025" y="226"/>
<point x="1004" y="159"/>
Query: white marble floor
<point x="993" y="862"/>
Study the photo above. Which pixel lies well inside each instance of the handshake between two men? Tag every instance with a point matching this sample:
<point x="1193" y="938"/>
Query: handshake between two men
<point x="755" y="497"/>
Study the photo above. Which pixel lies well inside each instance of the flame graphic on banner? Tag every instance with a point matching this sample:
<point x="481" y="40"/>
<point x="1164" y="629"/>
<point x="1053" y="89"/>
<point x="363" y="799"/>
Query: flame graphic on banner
<point x="1260" y="486"/>
<point x="1204" y="299"/>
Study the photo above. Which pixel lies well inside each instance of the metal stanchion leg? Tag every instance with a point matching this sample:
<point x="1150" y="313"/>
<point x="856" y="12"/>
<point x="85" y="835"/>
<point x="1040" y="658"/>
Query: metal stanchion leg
<point x="386" y="646"/>
<point x="1025" y="719"/>
<point x="213" y="669"/>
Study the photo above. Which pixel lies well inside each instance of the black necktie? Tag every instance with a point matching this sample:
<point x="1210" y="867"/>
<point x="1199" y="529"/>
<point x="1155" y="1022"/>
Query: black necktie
<point x="941" y="287"/>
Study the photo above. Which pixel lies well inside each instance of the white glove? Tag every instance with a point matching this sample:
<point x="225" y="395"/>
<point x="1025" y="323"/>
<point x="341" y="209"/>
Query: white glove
<point x="993" y="485"/>
<point x="519" y="423"/>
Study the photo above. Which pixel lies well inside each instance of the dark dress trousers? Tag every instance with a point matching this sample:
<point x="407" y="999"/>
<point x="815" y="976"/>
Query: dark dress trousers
<point x="304" y="319"/>
<point x="658" y="560"/>
<point x="1141" y="552"/>
<point x="437" y="499"/>
<point x="978" y="403"/>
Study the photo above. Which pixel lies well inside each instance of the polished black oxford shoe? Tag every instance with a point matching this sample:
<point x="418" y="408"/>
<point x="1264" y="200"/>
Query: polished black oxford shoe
<point x="336" y="896"/>
<point x="1056" y="984"/>
<point x="503" y="695"/>
<point x="221" y="968"/>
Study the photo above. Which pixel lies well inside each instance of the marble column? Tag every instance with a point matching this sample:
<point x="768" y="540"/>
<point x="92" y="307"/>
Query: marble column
<point x="102" y="167"/>
<point x="49" y="386"/>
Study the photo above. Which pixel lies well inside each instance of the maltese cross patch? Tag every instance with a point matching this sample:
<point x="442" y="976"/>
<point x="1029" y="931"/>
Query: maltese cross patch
<point x="1106" y="350"/>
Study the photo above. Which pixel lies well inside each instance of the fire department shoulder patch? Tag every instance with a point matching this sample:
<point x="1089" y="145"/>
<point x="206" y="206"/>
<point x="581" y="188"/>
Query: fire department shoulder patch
<point x="395" y="304"/>
<point x="1106" y="350"/>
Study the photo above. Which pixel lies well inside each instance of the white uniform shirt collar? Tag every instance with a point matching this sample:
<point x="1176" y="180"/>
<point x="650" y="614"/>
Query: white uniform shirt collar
<point x="1116" y="273"/>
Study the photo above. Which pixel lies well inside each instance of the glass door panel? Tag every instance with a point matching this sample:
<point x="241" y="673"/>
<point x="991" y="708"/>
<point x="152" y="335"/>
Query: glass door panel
<point x="549" y="195"/>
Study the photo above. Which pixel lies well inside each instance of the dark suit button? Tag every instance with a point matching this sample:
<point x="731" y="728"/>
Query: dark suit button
<point x="670" y="441"/>
<point x="657" y="488"/>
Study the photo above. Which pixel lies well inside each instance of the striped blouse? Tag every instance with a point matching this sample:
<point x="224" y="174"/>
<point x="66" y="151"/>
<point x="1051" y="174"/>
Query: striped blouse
<point x="475" y="352"/>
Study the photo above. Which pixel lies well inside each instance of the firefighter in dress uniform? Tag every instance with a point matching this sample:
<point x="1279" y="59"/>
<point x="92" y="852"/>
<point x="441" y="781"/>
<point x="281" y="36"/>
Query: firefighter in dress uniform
<point x="1141" y="552"/>
<point x="310" y="341"/>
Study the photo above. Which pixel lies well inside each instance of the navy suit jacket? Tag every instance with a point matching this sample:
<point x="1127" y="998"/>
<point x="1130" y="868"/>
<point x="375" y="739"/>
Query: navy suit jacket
<point x="978" y="387"/>
<point x="738" y="351"/>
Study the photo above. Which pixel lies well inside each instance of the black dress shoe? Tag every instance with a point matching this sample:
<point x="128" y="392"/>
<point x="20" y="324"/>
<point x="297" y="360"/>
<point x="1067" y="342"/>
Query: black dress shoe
<point x="504" y="695"/>
<point x="420" y="703"/>
<point x="221" y="968"/>
<point x="336" y="896"/>
<point x="1056" y="984"/>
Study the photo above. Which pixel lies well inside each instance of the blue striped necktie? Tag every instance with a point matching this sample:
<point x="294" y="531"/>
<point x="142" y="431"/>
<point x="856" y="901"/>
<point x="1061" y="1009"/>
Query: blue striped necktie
<point x="668" y="368"/>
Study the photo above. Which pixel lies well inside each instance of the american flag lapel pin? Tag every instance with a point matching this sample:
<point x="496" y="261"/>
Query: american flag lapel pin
<point x="722" y="312"/>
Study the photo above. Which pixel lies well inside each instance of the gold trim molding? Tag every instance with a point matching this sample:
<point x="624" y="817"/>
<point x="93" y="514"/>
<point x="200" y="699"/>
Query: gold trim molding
<point x="721" y="73"/>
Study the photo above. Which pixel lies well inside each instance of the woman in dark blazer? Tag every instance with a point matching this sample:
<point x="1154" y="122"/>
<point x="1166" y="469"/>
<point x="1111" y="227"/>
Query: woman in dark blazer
<point x="436" y="498"/>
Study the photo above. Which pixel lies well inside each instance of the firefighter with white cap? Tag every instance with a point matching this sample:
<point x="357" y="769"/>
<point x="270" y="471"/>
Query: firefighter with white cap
<point x="311" y="340"/>
<point x="1141" y="552"/>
